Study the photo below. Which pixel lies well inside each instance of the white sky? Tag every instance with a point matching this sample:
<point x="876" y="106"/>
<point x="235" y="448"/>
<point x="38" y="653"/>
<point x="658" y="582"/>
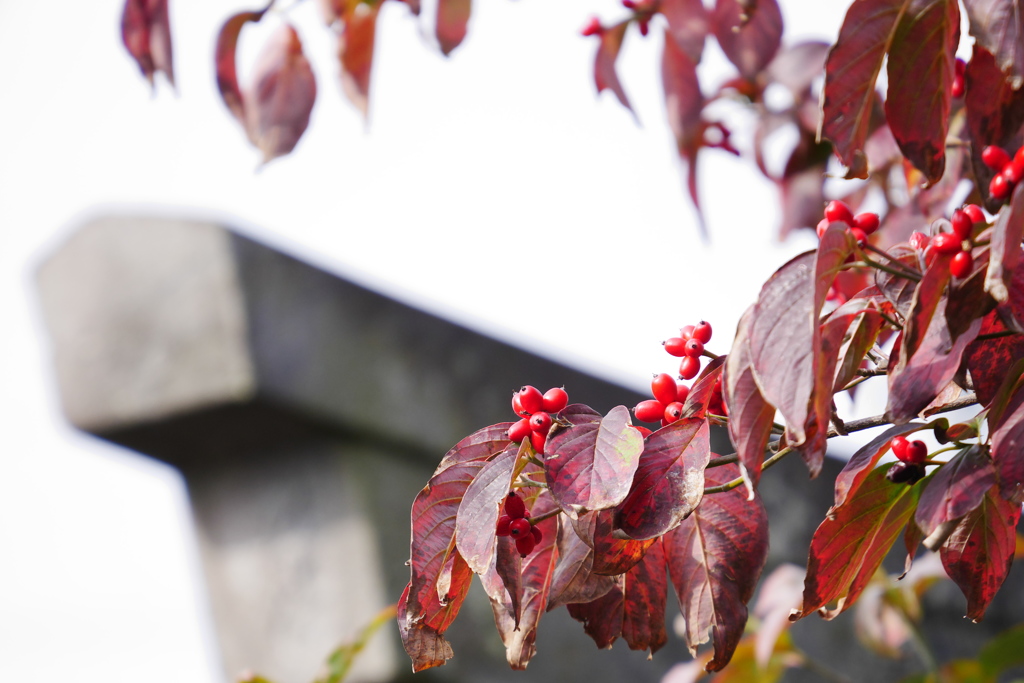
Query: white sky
<point x="492" y="187"/>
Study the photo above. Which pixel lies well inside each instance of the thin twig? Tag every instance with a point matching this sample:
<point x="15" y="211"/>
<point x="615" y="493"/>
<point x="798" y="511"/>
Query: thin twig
<point x="896" y="262"/>
<point x="547" y="515"/>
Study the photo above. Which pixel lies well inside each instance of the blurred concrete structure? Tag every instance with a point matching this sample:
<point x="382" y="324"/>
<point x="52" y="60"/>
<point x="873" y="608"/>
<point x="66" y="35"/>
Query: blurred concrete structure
<point x="305" y="412"/>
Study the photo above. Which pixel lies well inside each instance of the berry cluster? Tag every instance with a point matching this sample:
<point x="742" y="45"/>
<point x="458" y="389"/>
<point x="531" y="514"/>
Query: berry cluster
<point x="515" y="523"/>
<point x="669" y="397"/>
<point x="689" y="346"/>
<point x="534" y="409"/>
<point x="860" y="226"/>
<point x="912" y="456"/>
<point x="1008" y="171"/>
<point x="958" y="243"/>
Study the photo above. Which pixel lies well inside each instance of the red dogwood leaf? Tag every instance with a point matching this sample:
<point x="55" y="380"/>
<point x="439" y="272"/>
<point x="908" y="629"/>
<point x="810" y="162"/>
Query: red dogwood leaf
<point x="899" y="290"/>
<point x="920" y="69"/>
<point x="862" y="463"/>
<point x="482" y="444"/>
<point x="519" y="636"/>
<point x="425" y="646"/>
<point x="355" y="52"/>
<point x="750" y="415"/>
<point x="998" y="26"/>
<point x="688" y="24"/>
<point x="450" y="27"/>
<point x="480" y="508"/>
<point x="279" y="102"/>
<point x="714" y="560"/>
<point x="590" y="465"/>
<point x="927" y="296"/>
<point x="1005" y="248"/>
<point x="988" y="359"/>
<point x="669" y="481"/>
<point x="605" y="76"/>
<point x="684" y="103"/>
<point x="853" y="540"/>
<point x="1008" y="450"/>
<point x="954" y="491"/>
<point x="146" y="32"/>
<point x="863" y="321"/>
<point x="978" y="554"/>
<point x="574" y="579"/>
<point x="749" y="33"/>
<point x="602" y="618"/>
<point x="224" y="59"/>
<point x="612" y="555"/>
<point x="696" y="404"/>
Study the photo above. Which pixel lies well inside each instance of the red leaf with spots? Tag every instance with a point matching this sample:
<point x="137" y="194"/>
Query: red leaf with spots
<point x="224" y="59"/>
<point x="862" y="463"/>
<point x="450" y="27"/>
<point x="669" y="481"/>
<point x="279" y="102"/>
<point x="684" y="103"/>
<point x="612" y="555"/>
<point x="1008" y="450"/>
<point x="538" y="570"/>
<point x="605" y="75"/>
<point x="590" y="465"/>
<point x="978" y="554"/>
<point x="927" y="296"/>
<point x="920" y="70"/>
<point x="988" y="359"/>
<point x="574" y="579"/>
<point x="714" y="560"/>
<point x="1005" y="248"/>
<point x="750" y="415"/>
<point x="954" y="491"/>
<point x="749" y="33"/>
<point x="899" y="290"/>
<point x="703" y="389"/>
<point x="146" y="32"/>
<point x="601" y="618"/>
<point x="480" y="508"/>
<point x="853" y="540"/>
<point x="998" y="27"/>
<point x="355" y="52"/>
<point x="688" y="24"/>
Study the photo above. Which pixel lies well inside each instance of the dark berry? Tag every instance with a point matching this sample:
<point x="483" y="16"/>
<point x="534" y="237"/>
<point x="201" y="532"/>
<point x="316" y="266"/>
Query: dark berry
<point x="945" y="243"/>
<point x="676" y="346"/>
<point x="963" y="226"/>
<point x="672" y="412"/>
<point x="503" y="525"/>
<point x="531" y="399"/>
<point x="514" y="506"/>
<point x="663" y="388"/>
<point x="540" y="422"/>
<point x="689" y="367"/>
<point x="904" y="473"/>
<point x="649" y="411"/>
<point x="525" y="545"/>
<point x="995" y="157"/>
<point x="702" y="332"/>
<point x="694" y="348"/>
<point x="837" y="210"/>
<point x="520" y="430"/>
<point x="519" y="528"/>
<point x="555" y="399"/>
<point x="962" y="264"/>
<point x="868" y="222"/>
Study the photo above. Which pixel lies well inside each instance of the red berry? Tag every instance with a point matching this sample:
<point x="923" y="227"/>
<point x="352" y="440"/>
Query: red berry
<point x="959" y="67"/>
<point x="644" y="24"/>
<point x="525" y="545"/>
<point x="686" y="332"/>
<point x="644" y="431"/>
<point x="592" y="27"/>
<point x="957" y="88"/>
<point x="917" y="452"/>
<point x="995" y="157"/>
<point x="702" y="332"/>
<point x="537" y="535"/>
<point x="919" y="240"/>
<point x="963" y="226"/>
<point x="555" y="399"/>
<point x="868" y="222"/>
<point x="899" y="446"/>
<point x="514" y="506"/>
<point x="1019" y="156"/>
<point x="531" y="399"/>
<point x="537" y="440"/>
<point x="1013" y="172"/>
<point x="858" y="235"/>
<point x="649" y="411"/>
<point x="682" y="391"/>
<point x="672" y="412"/>
<point x="689" y="367"/>
<point x="503" y="525"/>
<point x="998" y="187"/>
<point x="519" y="528"/>
<point x="520" y="430"/>
<point x="517" y="406"/>
<point x="975" y="212"/>
<point x="663" y="388"/>
<point x="540" y="423"/>
<point x="694" y="348"/>
<point x="945" y="243"/>
<point x="962" y="264"/>
<point x="676" y="346"/>
<point x="837" y="210"/>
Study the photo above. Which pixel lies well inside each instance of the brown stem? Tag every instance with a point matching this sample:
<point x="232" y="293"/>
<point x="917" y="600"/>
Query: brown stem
<point x="547" y="515"/>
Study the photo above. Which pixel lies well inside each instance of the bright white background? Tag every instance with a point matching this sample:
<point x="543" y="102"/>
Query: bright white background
<point x="492" y="187"/>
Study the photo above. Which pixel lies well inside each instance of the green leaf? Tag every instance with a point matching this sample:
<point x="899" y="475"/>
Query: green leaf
<point x="340" y="661"/>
